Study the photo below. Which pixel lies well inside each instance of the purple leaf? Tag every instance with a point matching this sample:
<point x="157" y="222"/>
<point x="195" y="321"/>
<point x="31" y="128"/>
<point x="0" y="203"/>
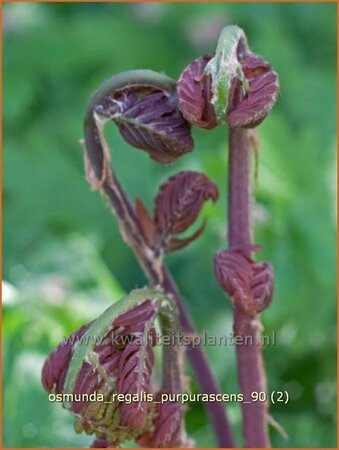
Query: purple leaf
<point x="55" y="367"/>
<point x="179" y="202"/>
<point x="145" y="222"/>
<point x="250" y="109"/>
<point x="247" y="105"/>
<point x="149" y="119"/>
<point x="136" y="365"/>
<point x="194" y="93"/>
<point x="176" y="244"/>
<point x="249" y="284"/>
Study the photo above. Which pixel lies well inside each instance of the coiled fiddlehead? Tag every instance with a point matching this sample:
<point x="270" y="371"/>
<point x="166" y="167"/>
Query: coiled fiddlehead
<point x="143" y="104"/>
<point x="235" y="86"/>
<point x="114" y="355"/>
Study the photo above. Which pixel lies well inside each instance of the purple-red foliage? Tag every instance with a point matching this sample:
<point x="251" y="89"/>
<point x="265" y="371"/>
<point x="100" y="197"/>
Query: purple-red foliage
<point x="249" y="284"/>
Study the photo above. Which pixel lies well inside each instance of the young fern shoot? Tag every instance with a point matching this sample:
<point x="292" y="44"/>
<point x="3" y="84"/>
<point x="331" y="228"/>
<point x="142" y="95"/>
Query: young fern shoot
<point x="144" y="106"/>
<point x="238" y="88"/>
<point x="103" y="374"/>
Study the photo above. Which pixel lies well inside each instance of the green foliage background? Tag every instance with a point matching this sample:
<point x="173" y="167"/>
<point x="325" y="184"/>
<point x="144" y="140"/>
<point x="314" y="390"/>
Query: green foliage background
<point x="64" y="261"/>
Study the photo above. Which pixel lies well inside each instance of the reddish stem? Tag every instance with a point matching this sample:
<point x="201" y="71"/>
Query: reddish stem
<point x="201" y="368"/>
<point x="249" y="354"/>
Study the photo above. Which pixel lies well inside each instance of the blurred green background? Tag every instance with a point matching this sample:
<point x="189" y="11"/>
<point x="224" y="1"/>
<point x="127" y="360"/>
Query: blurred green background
<point x="64" y="261"/>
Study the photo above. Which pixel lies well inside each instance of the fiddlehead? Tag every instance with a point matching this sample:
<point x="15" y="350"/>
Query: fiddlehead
<point x="112" y="358"/>
<point x="239" y="86"/>
<point x="194" y="94"/>
<point x="143" y="104"/>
